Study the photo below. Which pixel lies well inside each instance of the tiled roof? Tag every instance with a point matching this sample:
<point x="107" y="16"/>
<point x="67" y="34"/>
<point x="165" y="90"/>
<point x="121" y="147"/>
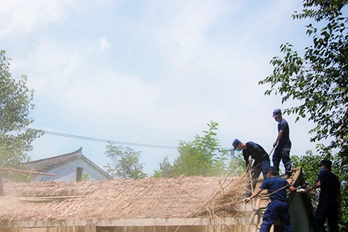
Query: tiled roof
<point x="49" y="163"/>
<point x="43" y="165"/>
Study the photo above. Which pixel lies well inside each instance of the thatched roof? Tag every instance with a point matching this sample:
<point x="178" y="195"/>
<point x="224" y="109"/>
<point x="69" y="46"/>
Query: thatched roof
<point x="124" y="198"/>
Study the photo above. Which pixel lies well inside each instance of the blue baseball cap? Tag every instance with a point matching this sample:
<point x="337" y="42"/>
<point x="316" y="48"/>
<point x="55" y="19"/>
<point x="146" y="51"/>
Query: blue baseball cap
<point x="235" y="143"/>
<point x="276" y="113"/>
<point x="327" y="163"/>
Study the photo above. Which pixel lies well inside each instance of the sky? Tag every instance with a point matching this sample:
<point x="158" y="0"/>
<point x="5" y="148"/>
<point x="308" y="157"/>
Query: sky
<point x="151" y="72"/>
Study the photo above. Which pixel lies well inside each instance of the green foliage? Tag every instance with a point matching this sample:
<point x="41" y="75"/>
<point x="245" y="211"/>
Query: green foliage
<point x="309" y="164"/>
<point x="202" y="156"/>
<point x="165" y="171"/>
<point x="319" y="79"/>
<point x="15" y="105"/>
<point x="86" y="177"/>
<point x="125" y="162"/>
<point x="237" y="164"/>
<point x="342" y="171"/>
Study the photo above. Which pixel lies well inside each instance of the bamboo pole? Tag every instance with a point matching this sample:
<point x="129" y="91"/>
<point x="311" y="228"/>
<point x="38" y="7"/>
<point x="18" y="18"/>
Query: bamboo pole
<point x="25" y="171"/>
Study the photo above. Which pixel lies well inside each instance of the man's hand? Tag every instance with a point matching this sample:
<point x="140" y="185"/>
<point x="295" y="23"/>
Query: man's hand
<point x="275" y="143"/>
<point x="246" y="200"/>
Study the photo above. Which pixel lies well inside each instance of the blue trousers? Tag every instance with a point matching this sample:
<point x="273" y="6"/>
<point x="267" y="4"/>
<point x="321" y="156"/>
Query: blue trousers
<point x="327" y="211"/>
<point x="282" y="152"/>
<point x="257" y="168"/>
<point x="276" y="209"/>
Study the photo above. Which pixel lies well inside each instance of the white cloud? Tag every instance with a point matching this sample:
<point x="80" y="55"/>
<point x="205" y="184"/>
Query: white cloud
<point x="27" y="16"/>
<point x="103" y="43"/>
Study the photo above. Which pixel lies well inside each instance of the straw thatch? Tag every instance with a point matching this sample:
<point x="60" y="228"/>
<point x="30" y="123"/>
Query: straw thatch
<point x="124" y="198"/>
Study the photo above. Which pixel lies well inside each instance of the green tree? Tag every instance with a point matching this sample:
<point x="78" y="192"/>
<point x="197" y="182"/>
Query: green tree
<point x="319" y="79"/>
<point x="309" y="164"/>
<point x="237" y="164"/>
<point x="166" y="169"/>
<point x="86" y="177"/>
<point x="15" y="106"/>
<point x="202" y="156"/>
<point x="125" y="162"/>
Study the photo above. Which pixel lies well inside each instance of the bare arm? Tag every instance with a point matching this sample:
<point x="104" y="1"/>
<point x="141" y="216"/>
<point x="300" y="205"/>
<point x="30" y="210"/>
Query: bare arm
<point x="256" y="193"/>
<point x="292" y="188"/>
<point x="314" y="186"/>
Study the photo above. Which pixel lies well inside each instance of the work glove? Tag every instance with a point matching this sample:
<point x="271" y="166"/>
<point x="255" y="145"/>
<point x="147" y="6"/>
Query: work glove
<point x="247" y="199"/>
<point x="301" y="190"/>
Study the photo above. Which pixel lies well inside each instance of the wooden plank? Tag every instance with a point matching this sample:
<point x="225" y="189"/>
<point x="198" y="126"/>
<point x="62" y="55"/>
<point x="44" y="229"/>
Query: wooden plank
<point x="129" y="222"/>
<point x="45" y="199"/>
<point x="25" y="171"/>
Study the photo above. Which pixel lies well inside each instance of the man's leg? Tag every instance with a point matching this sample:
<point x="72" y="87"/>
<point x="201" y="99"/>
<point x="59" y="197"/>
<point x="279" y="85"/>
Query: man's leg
<point x="320" y="217"/>
<point x="269" y="216"/>
<point x="332" y="217"/>
<point x="255" y="173"/>
<point x="264" y="165"/>
<point x="276" y="158"/>
<point x="285" y="218"/>
<point x="285" y="156"/>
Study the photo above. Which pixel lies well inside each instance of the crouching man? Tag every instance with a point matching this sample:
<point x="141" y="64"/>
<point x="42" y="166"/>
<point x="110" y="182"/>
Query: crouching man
<point x="278" y="207"/>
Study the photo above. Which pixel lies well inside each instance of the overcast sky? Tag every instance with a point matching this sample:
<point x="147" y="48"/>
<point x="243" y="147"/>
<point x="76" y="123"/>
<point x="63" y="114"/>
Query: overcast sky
<point x="151" y="72"/>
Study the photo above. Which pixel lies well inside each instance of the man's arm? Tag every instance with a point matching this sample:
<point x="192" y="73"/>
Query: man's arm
<point x="314" y="186"/>
<point x="292" y="188"/>
<point x="338" y="198"/>
<point x="255" y="194"/>
<point x="280" y="134"/>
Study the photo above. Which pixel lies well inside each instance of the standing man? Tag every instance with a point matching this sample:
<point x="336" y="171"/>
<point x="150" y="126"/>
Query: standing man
<point x="282" y="144"/>
<point x="278" y="207"/>
<point x="260" y="157"/>
<point x="329" y="199"/>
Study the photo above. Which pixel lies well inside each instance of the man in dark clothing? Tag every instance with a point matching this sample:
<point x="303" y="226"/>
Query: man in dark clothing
<point x="258" y="154"/>
<point x="282" y="144"/>
<point x="278" y="207"/>
<point x="329" y="198"/>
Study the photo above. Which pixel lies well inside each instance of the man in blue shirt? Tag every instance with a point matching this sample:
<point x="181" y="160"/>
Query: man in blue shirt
<point x="329" y="199"/>
<point x="282" y="144"/>
<point x="278" y="207"/>
<point x="260" y="157"/>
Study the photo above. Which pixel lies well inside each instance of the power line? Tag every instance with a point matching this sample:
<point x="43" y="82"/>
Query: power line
<point x="102" y="140"/>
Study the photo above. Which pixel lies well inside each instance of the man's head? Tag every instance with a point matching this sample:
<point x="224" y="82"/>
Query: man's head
<point x="277" y="115"/>
<point x="236" y="143"/>
<point x="326" y="163"/>
<point x="271" y="171"/>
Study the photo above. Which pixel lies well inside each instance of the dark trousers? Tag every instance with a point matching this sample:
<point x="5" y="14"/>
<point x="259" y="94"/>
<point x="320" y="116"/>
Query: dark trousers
<point x="327" y="211"/>
<point x="276" y="209"/>
<point x="257" y="168"/>
<point x="282" y="152"/>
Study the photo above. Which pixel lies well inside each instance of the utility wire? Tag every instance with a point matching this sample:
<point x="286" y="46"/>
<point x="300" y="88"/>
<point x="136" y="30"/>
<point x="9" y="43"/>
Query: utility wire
<point x="102" y="140"/>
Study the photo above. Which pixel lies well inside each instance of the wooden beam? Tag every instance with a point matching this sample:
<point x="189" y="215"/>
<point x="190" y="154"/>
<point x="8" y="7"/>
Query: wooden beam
<point x="25" y="171"/>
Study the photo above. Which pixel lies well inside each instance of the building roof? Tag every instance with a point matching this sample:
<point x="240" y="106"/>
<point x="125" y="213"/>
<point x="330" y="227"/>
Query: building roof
<point x="175" y="202"/>
<point x="122" y="198"/>
<point x="44" y="165"/>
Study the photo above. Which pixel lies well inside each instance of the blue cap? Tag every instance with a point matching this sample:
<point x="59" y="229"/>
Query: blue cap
<point x="327" y="163"/>
<point x="276" y="113"/>
<point x="235" y="143"/>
